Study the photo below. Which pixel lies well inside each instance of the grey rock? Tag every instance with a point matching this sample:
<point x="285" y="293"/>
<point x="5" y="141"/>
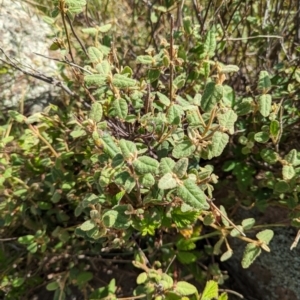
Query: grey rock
<point x="273" y="275"/>
<point x="22" y="33"/>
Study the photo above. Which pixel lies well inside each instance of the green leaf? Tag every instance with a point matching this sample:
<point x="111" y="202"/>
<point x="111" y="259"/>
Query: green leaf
<point x="87" y="225"/>
<point x="210" y="44"/>
<point x="104" y="28"/>
<point x="16" y="116"/>
<point x="269" y="156"/>
<point x="292" y="157"/>
<point x="109" y="145"/>
<point x="224" y="220"/>
<point x="103" y="68"/>
<point x="264" y="81"/>
<point x="185" y="245"/>
<point x="274" y="129"/>
<point x="147" y="180"/>
<point x="77" y="133"/>
<point x="142" y="277"/>
<point x="229" y="69"/>
<point x="212" y="94"/>
<point x="145" y="59"/>
<point x="184" y="149"/>
<point x="52" y="286"/>
<point x="261" y="137"/>
<point x="174" y="114"/>
<point x="84" y="277"/>
<point x="186" y="257"/>
<point x="121" y="108"/>
<point x="265" y="236"/>
<point x="90" y="30"/>
<point x="248" y="223"/>
<point x="219" y="142"/>
<point x="227" y="120"/>
<point x="75" y="6"/>
<point x="27" y="239"/>
<point x="210" y="290"/>
<point x="117" y="217"/>
<point x="166" y="165"/>
<point x="168" y="181"/>
<point x="163" y="99"/>
<point x="223" y="296"/>
<point x="179" y="81"/>
<point x="192" y="195"/>
<point x="95" y="54"/>
<point x="265" y="104"/>
<point x="153" y="75"/>
<point x="181" y="166"/>
<point x="145" y="164"/>
<point x="281" y="186"/>
<point x="96" y="79"/>
<point x="184" y="288"/>
<point x="226" y="255"/>
<point x="96" y="112"/>
<point x="288" y="172"/>
<point x="244" y="107"/>
<point x="250" y="254"/>
<point x="122" y="81"/>
<point x="128" y="149"/>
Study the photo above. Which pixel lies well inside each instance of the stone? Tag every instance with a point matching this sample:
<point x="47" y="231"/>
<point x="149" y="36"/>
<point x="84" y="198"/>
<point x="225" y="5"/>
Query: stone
<point x="22" y="33"/>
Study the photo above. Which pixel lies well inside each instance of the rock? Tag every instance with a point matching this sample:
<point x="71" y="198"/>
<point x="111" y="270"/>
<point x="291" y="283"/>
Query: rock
<point x="274" y="275"/>
<point x="23" y="33"/>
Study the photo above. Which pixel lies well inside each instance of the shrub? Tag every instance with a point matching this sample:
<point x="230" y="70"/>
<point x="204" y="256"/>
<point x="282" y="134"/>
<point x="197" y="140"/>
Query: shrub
<point x="133" y="164"/>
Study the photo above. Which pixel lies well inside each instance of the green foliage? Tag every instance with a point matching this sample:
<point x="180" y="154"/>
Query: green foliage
<point x="139" y="154"/>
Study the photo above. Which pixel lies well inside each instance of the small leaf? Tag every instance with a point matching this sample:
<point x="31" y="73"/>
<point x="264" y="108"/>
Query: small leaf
<point x="292" y="157"/>
<point x="229" y="69"/>
<point x="264" y="82"/>
<point x="163" y="99"/>
<point x="84" y="277"/>
<point x="210" y="43"/>
<point x="244" y="107"/>
<point x="128" y="149"/>
<point x="212" y="94"/>
<point x="184" y="288"/>
<point x="174" y="114"/>
<point x="95" y="79"/>
<point x="237" y="231"/>
<point x="142" y="277"/>
<point x="16" y="116"/>
<point x="145" y="164"/>
<point x="265" y="236"/>
<point x="227" y="120"/>
<point x="52" y="286"/>
<point x="261" y="137"/>
<point x="27" y="239"/>
<point x="166" y="165"/>
<point x="104" y="28"/>
<point x="274" y="129"/>
<point x="184" y="149"/>
<point x="288" y="172"/>
<point x="192" y="195"/>
<point x="269" y="156"/>
<point x="87" y="225"/>
<point x="122" y="81"/>
<point x="219" y="142"/>
<point x="180" y="167"/>
<point x="281" y="186"/>
<point x="103" y="68"/>
<point x="265" y="104"/>
<point x="167" y="182"/>
<point x="250" y="254"/>
<point x="145" y="59"/>
<point x="147" y="180"/>
<point x="226" y="255"/>
<point x="248" y="223"/>
<point x="95" y="54"/>
<point x="223" y="296"/>
<point x="117" y="217"/>
<point x="210" y="290"/>
<point x="121" y="108"/>
<point x="96" y="112"/>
